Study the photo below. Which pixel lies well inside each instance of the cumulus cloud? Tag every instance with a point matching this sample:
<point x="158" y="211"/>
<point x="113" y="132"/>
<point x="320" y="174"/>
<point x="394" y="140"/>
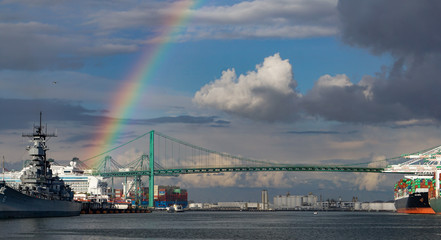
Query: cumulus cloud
<point x="268" y="93"/>
<point x="407" y="90"/>
<point x="371" y="181"/>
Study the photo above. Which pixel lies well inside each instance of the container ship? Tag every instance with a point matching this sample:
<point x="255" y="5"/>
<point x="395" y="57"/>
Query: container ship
<point x="411" y="195"/>
<point x="169" y="196"/>
<point x="164" y="196"/>
<point x="39" y="193"/>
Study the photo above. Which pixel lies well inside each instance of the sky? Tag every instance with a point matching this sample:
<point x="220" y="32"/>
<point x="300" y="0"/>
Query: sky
<point x="288" y="81"/>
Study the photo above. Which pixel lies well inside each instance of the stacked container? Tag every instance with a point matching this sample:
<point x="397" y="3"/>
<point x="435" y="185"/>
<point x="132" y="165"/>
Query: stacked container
<point x="167" y="196"/>
<point x="407" y="186"/>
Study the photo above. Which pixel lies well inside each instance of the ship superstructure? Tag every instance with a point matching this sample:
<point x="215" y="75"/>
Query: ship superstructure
<point x="39" y="193"/>
<point x="81" y="181"/>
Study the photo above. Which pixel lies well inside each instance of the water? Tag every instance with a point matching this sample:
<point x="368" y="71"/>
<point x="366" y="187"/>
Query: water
<point x="228" y="225"/>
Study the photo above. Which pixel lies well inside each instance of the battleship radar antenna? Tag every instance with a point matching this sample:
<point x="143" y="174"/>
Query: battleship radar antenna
<point x="40" y="122"/>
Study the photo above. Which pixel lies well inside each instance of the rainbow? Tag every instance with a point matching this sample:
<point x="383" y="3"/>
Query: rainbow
<point x="124" y="101"/>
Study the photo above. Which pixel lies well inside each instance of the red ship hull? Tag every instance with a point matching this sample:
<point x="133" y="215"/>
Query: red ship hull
<point x="416" y="210"/>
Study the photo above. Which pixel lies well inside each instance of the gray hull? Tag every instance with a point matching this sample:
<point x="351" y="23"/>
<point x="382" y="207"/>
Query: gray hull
<point x="14" y="204"/>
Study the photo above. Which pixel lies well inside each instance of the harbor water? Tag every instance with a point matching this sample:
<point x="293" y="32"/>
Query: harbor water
<point x="227" y="225"/>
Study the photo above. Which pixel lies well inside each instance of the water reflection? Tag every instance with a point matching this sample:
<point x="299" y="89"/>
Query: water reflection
<point x="227" y="225"/>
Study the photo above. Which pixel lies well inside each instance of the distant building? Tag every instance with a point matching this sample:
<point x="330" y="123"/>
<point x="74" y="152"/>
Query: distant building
<point x="292" y="202"/>
<point x="265" y="204"/>
<point x="375" y="206"/>
<point x="196" y="205"/>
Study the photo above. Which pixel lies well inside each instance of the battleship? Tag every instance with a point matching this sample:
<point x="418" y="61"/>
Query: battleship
<point x="40" y="194"/>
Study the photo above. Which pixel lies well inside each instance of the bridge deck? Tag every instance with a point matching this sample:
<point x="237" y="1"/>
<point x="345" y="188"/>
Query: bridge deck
<point x="168" y="172"/>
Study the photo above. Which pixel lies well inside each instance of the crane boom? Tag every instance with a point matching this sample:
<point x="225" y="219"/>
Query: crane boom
<point x="422" y="163"/>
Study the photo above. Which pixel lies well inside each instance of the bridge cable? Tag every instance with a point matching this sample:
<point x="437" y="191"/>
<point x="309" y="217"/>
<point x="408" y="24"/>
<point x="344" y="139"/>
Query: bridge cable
<point x="112" y="149"/>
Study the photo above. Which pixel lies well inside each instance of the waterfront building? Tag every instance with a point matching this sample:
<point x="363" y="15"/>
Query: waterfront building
<point x="293" y="202"/>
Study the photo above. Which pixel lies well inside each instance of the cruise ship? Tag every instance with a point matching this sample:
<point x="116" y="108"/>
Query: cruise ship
<point x="82" y="182"/>
<point x="84" y="185"/>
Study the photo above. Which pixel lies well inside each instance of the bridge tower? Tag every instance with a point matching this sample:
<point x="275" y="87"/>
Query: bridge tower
<point x="152" y="164"/>
<point x="106" y="165"/>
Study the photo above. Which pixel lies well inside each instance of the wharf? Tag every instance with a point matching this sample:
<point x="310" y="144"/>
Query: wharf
<point x="109" y="208"/>
<point x="113" y="211"/>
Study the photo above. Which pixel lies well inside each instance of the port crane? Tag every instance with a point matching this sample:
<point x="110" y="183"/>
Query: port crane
<point x="423" y="163"/>
<point x="426" y="163"/>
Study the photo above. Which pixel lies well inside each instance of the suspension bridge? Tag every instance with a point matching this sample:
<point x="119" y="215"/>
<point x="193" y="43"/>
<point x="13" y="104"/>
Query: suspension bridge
<point x="162" y="155"/>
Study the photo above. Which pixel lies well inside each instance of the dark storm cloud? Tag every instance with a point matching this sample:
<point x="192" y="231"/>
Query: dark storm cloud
<point x="320" y="132"/>
<point x="182" y="119"/>
<point x="349" y="104"/>
<point x="40" y="35"/>
<point x="209" y="121"/>
<point x="19" y="113"/>
<point x="393" y="26"/>
<point x="409" y="89"/>
<point x="220" y="123"/>
<point x="415" y="85"/>
<point x="33" y="46"/>
<point x="37" y="46"/>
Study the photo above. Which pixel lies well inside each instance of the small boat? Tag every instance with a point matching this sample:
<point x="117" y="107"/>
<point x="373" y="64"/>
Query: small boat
<point x="175" y="208"/>
<point x="315" y="213"/>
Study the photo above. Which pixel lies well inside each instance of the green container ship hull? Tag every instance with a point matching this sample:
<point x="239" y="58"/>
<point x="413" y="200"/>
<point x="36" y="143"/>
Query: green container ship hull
<point x="435" y="203"/>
